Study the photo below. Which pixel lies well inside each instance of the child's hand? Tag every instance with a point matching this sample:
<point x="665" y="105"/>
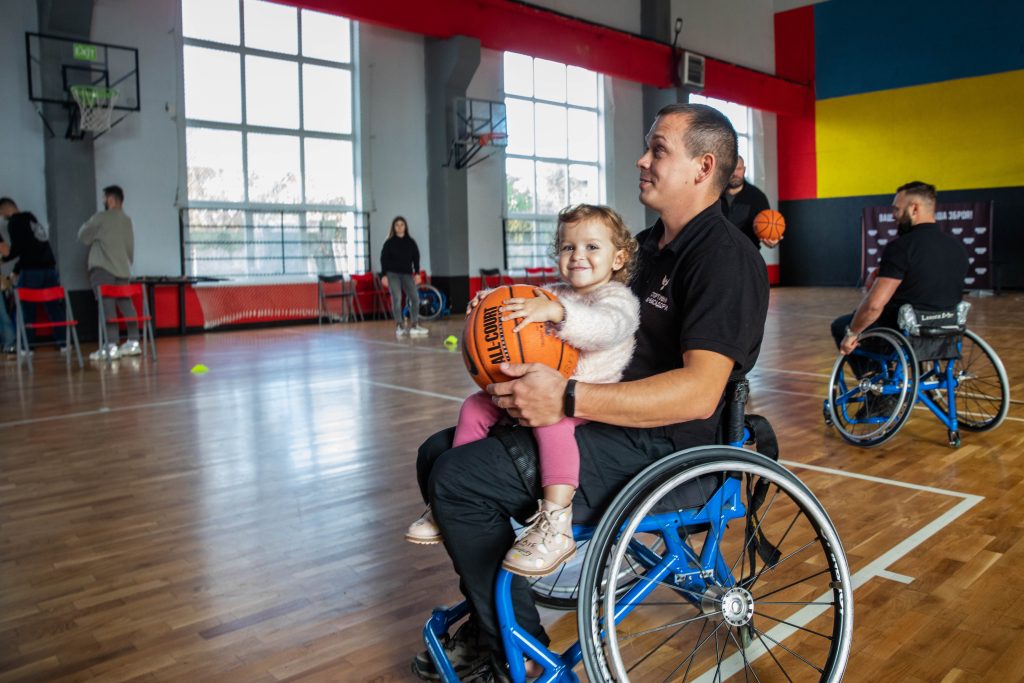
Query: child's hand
<point x="475" y="301"/>
<point x="537" y="309"/>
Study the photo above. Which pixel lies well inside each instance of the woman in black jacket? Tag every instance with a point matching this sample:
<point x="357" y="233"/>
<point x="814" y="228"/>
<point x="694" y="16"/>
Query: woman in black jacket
<point x="400" y="268"/>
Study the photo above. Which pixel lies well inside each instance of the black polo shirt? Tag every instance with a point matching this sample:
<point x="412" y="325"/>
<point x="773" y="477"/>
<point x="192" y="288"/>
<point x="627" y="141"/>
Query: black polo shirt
<point x="742" y="208"/>
<point x="931" y="266"/>
<point x="706" y="290"/>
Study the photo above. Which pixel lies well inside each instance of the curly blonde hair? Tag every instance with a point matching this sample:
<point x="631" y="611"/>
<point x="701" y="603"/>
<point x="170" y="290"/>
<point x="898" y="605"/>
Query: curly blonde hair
<point x="622" y="238"/>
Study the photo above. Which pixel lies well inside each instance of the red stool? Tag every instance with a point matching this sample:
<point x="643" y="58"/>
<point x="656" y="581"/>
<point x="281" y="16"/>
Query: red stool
<point x="42" y="296"/>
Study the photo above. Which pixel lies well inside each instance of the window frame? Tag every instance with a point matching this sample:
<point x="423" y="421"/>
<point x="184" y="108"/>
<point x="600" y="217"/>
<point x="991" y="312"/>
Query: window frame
<point x="358" y="262"/>
<point x="541" y="255"/>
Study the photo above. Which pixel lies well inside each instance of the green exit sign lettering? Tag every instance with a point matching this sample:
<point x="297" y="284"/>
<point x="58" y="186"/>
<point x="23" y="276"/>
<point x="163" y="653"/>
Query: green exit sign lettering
<point x="85" y="52"/>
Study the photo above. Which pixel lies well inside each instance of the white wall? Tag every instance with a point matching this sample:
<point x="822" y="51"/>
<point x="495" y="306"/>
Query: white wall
<point x="393" y="118"/>
<point x="22" y="171"/>
<point x="141" y="153"/>
<point x="486" y="180"/>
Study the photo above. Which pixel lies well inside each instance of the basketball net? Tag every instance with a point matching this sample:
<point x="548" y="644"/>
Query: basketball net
<point x="95" y="107"/>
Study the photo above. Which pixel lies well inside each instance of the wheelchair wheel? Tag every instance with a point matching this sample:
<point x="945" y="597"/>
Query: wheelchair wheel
<point x="873" y="390"/>
<point x="431" y="302"/>
<point x="982" y="391"/>
<point x="777" y="604"/>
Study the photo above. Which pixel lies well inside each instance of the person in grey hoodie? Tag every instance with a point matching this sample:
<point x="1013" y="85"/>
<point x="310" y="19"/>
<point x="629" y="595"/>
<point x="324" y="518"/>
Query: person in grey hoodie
<point x="111" y="241"/>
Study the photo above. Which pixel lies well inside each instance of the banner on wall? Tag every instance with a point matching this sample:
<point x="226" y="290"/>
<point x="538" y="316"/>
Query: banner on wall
<point x="969" y="222"/>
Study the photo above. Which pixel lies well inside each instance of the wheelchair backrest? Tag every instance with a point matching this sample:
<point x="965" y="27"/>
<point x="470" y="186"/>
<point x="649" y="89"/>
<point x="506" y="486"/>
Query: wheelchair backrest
<point x="934" y="335"/>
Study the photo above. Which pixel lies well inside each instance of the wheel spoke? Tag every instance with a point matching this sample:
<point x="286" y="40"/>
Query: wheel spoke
<point x="782" y="645"/>
<point x="795" y="583"/>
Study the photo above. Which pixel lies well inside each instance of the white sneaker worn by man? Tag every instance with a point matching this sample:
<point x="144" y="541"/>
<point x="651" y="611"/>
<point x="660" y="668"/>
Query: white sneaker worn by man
<point x="108" y="352"/>
<point x="418" y="331"/>
<point x="400" y="331"/>
<point x="130" y="348"/>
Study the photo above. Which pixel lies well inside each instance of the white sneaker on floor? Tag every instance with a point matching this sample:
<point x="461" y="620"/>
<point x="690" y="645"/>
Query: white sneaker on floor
<point x="400" y="331"/>
<point x="130" y="348"/>
<point x="108" y="352"/>
<point x="418" y="331"/>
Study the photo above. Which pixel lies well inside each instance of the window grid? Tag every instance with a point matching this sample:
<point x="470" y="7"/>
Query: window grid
<point x="528" y="233"/>
<point x="198" y="249"/>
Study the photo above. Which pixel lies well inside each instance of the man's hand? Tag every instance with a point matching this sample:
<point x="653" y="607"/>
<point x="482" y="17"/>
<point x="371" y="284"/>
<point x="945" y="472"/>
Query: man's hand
<point x="849" y="343"/>
<point x="535" y="397"/>
<point x="771" y="244"/>
<point x="417" y="278"/>
<point x="5" y="249"/>
<point x="538" y="309"/>
<point x="384" y="282"/>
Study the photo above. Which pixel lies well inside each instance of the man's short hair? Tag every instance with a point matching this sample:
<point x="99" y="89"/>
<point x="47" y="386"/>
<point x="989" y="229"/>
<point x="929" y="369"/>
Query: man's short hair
<point x="709" y="132"/>
<point x="114" y="191"/>
<point x="919" y="189"/>
<point x="5" y="201"/>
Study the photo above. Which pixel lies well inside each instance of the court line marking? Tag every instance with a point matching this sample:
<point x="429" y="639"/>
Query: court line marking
<point x="893" y="576"/>
<point x="877" y="568"/>
<point x="820" y="397"/>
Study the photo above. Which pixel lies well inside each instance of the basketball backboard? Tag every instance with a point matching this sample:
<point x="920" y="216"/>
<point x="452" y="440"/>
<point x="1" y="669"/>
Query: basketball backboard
<point x="57" y="64"/>
<point x="478" y="124"/>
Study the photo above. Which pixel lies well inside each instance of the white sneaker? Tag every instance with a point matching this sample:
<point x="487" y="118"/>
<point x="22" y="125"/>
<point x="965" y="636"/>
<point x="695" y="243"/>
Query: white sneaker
<point x="400" y="331"/>
<point x="130" y="348"/>
<point x="108" y="352"/>
<point x="418" y="331"/>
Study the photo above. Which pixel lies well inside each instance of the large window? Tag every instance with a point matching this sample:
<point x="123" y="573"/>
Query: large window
<point x="554" y="155"/>
<point x="270" y="146"/>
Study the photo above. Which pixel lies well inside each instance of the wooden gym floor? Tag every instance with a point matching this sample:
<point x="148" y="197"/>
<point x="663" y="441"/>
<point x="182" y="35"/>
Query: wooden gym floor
<point x="246" y="524"/>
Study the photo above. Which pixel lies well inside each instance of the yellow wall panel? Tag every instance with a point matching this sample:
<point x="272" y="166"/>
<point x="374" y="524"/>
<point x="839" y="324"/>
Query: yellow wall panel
<point x="961" y="134"/>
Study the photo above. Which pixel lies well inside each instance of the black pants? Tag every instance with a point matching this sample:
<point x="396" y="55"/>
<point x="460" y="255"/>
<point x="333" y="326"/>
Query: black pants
<point x="475" y="489"/>
<point x="860" y="365"/>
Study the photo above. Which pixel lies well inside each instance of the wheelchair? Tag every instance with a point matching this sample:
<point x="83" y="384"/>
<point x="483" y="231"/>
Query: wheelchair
<point x="433" y="303"/>
<point x="935" y="361"/>
<point x="713" y="562"/>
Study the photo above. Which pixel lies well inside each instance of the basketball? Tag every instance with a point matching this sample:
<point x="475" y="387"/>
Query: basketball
<point x="487" y="342"/>
<point x="769" y="225"/>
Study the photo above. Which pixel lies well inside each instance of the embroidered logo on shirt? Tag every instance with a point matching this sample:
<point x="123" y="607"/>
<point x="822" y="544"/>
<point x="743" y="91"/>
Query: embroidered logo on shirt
<point x="664" y="282"/>
<point x="657" y="300"/>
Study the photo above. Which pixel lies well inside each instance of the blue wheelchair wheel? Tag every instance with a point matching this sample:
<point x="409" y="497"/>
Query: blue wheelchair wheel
<point x="873" y="390"/>
<point x="761" y="590"/>
<point x="432" y="303"/>
<point x="982" y="392"/>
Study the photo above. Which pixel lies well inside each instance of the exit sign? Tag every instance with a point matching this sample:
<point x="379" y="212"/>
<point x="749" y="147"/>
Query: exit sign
<point x="85" y="52"/>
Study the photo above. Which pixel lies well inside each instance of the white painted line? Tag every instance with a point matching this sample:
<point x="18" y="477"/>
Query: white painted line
<point x="893" y="576"/>
<point x="420" y="392"/>
<point x="876" y="568"/>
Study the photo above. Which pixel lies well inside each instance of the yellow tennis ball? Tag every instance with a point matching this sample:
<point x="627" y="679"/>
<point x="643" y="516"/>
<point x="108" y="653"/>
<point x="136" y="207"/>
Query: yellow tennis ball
<point x="200" y="369"/>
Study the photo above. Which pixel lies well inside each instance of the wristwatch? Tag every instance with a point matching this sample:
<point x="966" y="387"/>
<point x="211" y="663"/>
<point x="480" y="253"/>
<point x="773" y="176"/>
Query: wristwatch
<point x="851" y="333"/>
<point x="569" y="403"/>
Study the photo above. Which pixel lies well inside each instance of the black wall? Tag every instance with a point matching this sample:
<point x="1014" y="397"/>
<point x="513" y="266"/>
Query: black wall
<point x="822" y="244"/>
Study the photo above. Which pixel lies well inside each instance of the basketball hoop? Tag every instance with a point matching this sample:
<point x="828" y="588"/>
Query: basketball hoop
<point x="493" y="138"/>
<point x="95" y="107"/>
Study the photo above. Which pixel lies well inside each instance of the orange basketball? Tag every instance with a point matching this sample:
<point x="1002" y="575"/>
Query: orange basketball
<point x="487" y="341"/>
<point x="769" y="225"/>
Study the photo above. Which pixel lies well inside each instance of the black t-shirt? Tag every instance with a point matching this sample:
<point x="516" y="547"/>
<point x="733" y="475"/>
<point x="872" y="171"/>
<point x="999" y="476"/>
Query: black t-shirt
<point x="34" y="253"/>
<point x="742" y="208"/>
<point x="706" y="290"/>
<point x="400" y="255"/>
<point x="932" y="266"/>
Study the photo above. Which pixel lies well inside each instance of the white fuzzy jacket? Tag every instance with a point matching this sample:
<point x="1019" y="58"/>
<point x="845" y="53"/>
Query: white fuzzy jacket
<point x="600" y="325"/>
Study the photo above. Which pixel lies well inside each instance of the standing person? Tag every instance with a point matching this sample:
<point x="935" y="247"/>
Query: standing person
<point x="597" y="314"/>
<point x="704" y="298"/>
<point x="111" y="241"/>
<point x="400" y="267"/>
<point x="36" y="267"/>
<point x="7" y="335"/>
<point x="742" y="201"/>
<point x="923" y="267"/>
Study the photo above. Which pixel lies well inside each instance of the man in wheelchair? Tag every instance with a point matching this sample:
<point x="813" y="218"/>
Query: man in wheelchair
<point x="704" y="296"/>
<point x="923" y="267"/>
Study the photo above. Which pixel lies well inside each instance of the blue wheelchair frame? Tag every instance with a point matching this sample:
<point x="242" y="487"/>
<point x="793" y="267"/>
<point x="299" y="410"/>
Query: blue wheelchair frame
<point x="429" y="291"/>
<point x="678" y="567"/>
<point x="936" y="378"/>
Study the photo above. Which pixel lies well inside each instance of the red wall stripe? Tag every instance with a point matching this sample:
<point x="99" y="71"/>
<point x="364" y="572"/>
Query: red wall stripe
<point x="794" y="59"/>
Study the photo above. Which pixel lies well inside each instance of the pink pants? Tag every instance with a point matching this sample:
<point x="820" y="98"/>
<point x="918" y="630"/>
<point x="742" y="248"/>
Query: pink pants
<point x="559" y="454"/>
